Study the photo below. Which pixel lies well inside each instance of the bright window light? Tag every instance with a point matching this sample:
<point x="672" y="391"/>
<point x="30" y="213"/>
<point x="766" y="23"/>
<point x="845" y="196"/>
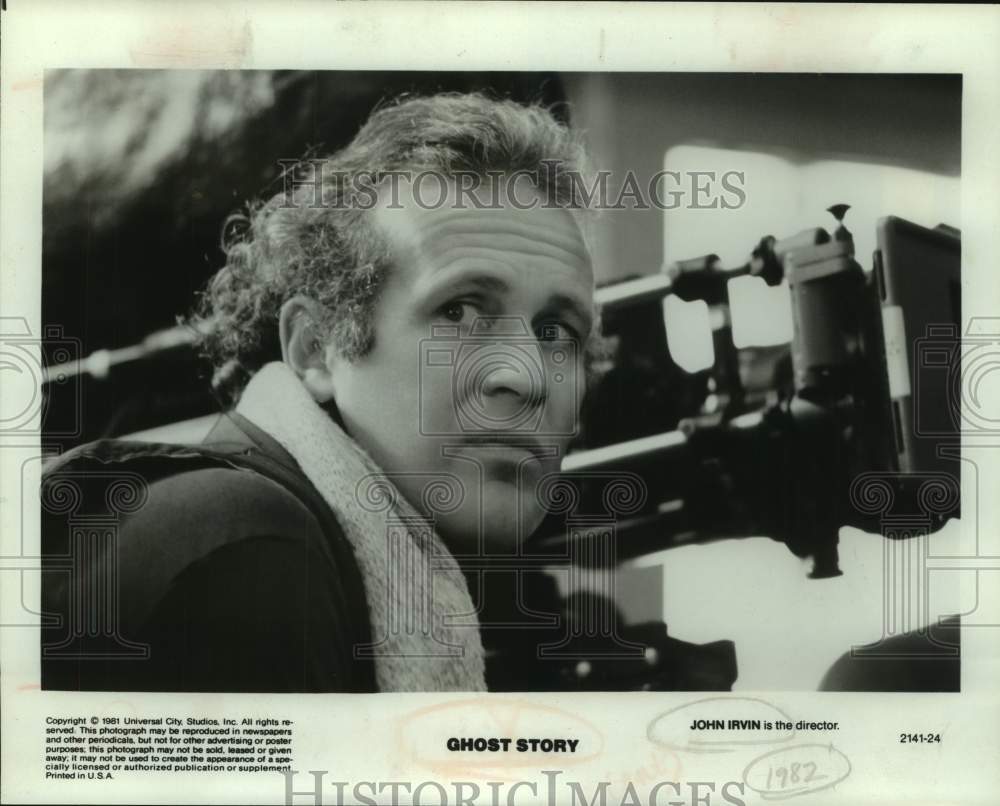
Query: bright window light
<point x="761" y="314"/>
<point x="785" y="197"/>
<point x="782" y="198"/>
<point x="689" y="334"/>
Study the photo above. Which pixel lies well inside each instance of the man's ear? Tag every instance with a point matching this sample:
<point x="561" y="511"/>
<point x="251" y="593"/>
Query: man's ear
<point x="303" y="347"/>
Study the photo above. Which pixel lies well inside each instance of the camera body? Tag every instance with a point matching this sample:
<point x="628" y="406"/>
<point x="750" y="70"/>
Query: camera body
<point x="870" y="389"/>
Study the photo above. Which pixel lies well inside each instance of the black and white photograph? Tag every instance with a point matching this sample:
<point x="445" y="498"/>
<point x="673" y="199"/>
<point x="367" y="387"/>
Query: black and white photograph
<point x="515" y="410"/>
<point x="665" y="391"/>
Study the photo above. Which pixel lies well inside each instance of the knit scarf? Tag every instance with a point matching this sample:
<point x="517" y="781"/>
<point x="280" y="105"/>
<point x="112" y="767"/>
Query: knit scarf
<point x="421" y="642"/>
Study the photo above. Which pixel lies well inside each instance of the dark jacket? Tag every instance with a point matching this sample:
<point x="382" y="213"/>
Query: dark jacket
<point x="219" y="567"/>
<point x="215" y="567"/>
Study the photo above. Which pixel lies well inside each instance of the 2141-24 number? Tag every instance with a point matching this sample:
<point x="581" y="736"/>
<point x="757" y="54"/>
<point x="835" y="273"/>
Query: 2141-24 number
<point x="919" y="738"/>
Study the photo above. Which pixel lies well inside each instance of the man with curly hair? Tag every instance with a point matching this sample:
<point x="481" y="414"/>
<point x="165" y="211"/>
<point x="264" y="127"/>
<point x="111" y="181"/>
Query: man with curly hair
<point x="401" y="335"/>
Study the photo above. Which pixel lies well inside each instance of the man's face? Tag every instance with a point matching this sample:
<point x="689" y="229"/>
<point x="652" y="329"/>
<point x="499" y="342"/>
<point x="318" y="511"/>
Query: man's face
<point x="477" y="369"/>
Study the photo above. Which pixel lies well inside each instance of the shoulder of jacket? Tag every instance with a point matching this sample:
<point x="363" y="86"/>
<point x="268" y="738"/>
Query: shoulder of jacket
<point x="180" y="497"/>
<point x="192" y="504"/>
<point x="232" y="501"/>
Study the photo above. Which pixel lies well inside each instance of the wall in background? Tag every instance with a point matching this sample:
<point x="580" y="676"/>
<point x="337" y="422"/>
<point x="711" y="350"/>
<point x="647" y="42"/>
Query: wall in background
<point x="632" y="119"/>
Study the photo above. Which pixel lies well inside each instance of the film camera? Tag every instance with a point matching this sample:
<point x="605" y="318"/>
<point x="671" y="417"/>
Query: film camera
<point x="794" y="441"/>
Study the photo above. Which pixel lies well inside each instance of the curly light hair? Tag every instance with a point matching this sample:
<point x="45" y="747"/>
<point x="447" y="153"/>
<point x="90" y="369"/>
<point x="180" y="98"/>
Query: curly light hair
<point x="324" y="246"/>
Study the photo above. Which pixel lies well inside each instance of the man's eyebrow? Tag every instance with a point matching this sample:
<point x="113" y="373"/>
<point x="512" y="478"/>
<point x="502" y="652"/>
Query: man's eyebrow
<point x="564" y="302"/>
<point x="484" y="282"/>
<point x="487" y="282"/>
<point x="492" y="284"/>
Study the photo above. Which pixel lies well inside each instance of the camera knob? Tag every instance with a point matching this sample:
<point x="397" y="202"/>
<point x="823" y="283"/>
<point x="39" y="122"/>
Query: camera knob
<point x="839" y="211"/>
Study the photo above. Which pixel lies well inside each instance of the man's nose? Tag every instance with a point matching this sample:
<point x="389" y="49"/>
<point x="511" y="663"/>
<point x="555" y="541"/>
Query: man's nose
<point x="514" y="373"/>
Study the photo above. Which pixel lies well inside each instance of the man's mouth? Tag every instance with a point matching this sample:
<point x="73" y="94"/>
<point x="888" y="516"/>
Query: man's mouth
<point x="514" y="443"/>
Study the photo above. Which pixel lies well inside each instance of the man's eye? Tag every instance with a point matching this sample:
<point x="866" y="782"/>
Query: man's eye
<point x="556" y="331"/>
<point x="457" y="311"/>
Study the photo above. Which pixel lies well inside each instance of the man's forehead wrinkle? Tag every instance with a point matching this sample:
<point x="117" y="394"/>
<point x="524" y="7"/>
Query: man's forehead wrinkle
<point x="520" y="225"/>
<point x="511" y="251"/>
